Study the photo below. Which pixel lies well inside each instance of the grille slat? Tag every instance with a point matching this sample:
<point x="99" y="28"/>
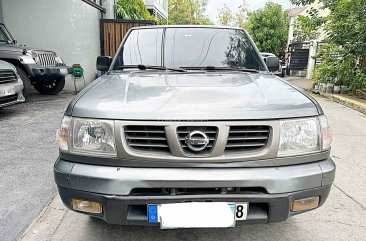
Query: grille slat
<point x="147" y="138"/>
<point x="210" y="131"/>
<point x="243" y="139"/>
<point x="144" y="131"/>
<point x="206" y="132"/>
<point x="148" y="145"/>
<point x="249" y="131"/>
<point x="245" y="145"/>
<point x="240" y="138"/>
<point x="7" y="77"/>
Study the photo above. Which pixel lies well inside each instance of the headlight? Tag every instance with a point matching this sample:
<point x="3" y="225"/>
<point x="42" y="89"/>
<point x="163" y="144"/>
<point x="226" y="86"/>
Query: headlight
<point x="88" y="136"/>
<point x="59" y="60"/>
<point x="299" y="136"/>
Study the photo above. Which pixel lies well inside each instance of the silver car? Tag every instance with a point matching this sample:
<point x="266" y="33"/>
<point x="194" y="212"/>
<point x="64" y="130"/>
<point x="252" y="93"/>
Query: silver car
<point x="188" y="128"/>
<point x="11" y="86"/>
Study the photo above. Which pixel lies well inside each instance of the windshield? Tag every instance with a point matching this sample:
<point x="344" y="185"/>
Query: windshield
<point x="4" y="35"/>
<point x="189" y="47"/>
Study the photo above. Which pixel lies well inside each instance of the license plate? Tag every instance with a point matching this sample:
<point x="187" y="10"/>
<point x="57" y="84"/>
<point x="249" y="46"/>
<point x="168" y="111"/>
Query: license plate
<point x="197" y="214"/>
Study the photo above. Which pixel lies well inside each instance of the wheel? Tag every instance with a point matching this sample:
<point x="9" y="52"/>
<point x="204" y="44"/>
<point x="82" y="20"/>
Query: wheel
<point x="50" y="87"/>
<point x="27" y="83"/>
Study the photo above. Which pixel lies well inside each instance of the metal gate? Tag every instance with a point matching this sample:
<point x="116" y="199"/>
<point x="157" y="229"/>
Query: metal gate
<point x="299" y="56"/>
<point x="113" y="31"/>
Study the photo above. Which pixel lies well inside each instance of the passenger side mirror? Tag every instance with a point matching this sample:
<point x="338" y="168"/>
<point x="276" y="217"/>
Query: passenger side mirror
<point x="103" y="63"/>
<point x="15" y="41"/>
<point x="273" y="63"/>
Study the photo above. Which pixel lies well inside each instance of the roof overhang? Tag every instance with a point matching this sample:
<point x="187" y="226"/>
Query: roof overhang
<point x="95" y="5"/>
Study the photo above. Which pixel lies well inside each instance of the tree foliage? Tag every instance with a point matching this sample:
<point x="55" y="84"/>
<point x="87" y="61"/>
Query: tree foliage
<point x="308" y="27"/>
<point x="188" y="12"/>
<point x="269" y="28"/>
<point x="132" y="9"/>
<point x="344" y="57"/>
<point x="228" y="18"/>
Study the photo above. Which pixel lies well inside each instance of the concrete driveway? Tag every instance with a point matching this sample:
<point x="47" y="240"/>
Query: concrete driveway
<point x="343" y="217"/>
<point x="28" y="151"/>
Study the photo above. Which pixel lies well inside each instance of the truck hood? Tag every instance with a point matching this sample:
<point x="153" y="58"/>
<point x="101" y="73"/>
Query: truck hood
<point x="15" y="48"/>
<point x="191" y="96"/>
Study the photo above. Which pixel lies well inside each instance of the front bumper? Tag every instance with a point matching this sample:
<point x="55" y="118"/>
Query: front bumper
<point x="61" y="71"/>
<point x="11" y="94"/>
<point x="271" y="189"/>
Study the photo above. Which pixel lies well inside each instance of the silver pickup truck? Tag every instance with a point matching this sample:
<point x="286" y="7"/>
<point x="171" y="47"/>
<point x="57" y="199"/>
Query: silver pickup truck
<point x="189" y="128"/>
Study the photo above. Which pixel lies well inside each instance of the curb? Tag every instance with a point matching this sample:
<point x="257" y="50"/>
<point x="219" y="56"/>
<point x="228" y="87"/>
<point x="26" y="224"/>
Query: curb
<point x="353" y="104"/>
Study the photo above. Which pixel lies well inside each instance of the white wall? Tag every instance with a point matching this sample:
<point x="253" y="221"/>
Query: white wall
<point x="68" y="27"/>
<point x="1" y="12"/>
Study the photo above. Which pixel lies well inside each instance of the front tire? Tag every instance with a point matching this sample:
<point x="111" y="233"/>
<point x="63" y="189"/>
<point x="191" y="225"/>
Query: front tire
<point x="50" y="87"/>
<point x="27" y="83"/>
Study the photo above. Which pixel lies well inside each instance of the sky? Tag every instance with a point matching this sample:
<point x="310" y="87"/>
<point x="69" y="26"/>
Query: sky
<point x="214" y="5"/>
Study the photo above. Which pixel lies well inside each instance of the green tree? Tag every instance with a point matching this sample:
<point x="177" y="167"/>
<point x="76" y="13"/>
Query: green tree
<point x="346" y="34"/>
<point x="228" y="18"/>
<point x="188" y="12"/>
<point x="269" y="28"/>
<point x="132" y="9"/>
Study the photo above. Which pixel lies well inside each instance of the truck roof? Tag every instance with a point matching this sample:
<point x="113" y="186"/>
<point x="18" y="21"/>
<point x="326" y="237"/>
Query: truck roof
<point x="188" y="26"/>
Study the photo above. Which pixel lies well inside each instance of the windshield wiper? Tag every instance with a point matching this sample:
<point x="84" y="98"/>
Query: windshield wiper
<point x="213" y="68"/>
<point x="145" y="67"/>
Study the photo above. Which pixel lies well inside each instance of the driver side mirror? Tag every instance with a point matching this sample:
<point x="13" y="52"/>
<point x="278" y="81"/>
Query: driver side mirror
<point x="15" y="41"/>
<point x="104" y="63"/>
<point x="273" y="63"/>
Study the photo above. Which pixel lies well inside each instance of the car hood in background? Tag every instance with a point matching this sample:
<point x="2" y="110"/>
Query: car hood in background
<point x="191" y="96"/>
<point x="16" y="48"/>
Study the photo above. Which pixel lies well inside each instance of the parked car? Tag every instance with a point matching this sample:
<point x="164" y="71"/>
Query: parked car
<point x="41" y="68"/>
<point x="11" y="86"/>
<point x="282" y="66"/>
<point x="182" y="137"/>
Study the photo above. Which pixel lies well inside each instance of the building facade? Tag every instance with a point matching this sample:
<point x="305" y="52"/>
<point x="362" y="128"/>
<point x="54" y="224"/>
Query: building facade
<point x="158" y="8"/>
<point x="71" y="28"/>
<point x="310" y="43"/>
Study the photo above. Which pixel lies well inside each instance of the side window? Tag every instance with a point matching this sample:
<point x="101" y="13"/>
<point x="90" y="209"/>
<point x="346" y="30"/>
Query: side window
<point x="141" y="47"/>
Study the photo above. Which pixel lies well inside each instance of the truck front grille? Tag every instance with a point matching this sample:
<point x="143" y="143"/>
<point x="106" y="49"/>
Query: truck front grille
<point x="147" y="138"/>
<point x="211" y="133"/>
<point x="247" y="138"/>
<point x="7" y="76"/>
<point x="198" y="142"/>
<point x="45" y="59"/>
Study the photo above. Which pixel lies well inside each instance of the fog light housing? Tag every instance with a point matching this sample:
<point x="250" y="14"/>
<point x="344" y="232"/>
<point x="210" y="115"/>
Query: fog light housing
<point x="305" y="204"/>
<point x="87" y="206"/>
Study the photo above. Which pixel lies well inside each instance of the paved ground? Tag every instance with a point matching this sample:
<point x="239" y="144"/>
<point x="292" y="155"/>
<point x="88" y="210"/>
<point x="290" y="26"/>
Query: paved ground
<point x="28" y="151"/>
<point x="342" y="218"/>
